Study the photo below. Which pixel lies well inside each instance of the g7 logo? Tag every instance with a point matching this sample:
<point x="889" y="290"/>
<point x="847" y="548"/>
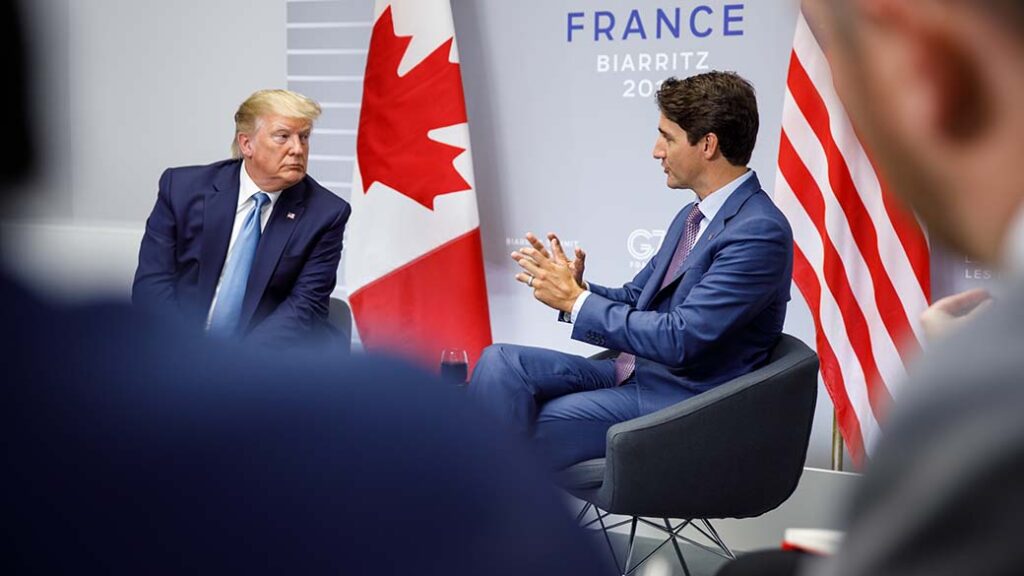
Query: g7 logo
<point x="642" y="244"/>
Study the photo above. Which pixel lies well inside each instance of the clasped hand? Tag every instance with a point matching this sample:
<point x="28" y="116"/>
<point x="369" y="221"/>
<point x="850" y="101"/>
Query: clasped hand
<point x="556" y="280"/>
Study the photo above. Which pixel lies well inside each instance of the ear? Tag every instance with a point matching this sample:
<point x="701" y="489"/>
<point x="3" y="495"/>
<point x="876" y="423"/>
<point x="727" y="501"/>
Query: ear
<point x="244" y="144"/>
<point x="957" y="92"/>
<point x="941" y="89"/>
<point x="709" y="145"/>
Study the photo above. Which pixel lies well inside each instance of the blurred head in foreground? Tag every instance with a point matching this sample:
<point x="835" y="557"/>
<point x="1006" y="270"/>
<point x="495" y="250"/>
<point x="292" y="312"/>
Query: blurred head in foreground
<point x="935" y="88"/>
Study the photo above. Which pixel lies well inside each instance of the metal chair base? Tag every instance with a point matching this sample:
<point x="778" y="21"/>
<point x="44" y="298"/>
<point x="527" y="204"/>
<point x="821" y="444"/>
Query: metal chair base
<point x="673" y="535"/>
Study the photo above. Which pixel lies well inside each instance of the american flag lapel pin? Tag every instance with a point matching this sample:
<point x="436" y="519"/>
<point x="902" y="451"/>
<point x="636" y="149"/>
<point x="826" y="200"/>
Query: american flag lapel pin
<point x="290" y="216"/>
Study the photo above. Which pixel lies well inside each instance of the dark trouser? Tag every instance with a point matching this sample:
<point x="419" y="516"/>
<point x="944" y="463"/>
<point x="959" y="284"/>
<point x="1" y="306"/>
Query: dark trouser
<point x="566" y="403"/>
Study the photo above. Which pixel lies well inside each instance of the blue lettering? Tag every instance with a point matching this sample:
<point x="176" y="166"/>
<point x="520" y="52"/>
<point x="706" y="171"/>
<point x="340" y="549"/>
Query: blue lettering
<point x="693" y="21"/>
<point x="673" y="27"/>
<point x="634" y="26"/>
<point x="729" y="19"/>
<point x="606" y="30"/>
<point x="704" y="20"/>
<point x="572" y="25"/>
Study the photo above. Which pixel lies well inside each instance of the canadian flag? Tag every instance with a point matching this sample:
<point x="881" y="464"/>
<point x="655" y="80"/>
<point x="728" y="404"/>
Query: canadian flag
<point x="414" y="262"/>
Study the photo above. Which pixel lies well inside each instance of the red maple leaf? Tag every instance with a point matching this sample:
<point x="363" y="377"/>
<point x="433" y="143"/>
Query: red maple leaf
<point x="397" y="113"/>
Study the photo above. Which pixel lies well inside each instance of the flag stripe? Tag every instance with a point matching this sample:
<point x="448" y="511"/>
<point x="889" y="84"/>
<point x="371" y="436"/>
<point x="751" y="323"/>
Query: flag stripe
<point x="832" y="374"/>
<point x="813" y="156"/>
<point x="901" y="242"/>
<point x="854" y="382"/>
<point x="806" y="238"/>
<point x="912" y="239"/>
<point x="810" y="197"/>
<point x="854" y="240"/>
<point x="418" y="309"/>
<point x="864" y="234"/>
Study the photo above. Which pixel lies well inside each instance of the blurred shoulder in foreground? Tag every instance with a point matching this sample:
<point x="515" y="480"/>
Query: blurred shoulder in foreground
<point x="132" y="452"/>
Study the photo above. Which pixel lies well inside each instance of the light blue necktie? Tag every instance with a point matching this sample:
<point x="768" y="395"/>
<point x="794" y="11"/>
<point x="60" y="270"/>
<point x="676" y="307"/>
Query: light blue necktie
<point x="228" y="310"/>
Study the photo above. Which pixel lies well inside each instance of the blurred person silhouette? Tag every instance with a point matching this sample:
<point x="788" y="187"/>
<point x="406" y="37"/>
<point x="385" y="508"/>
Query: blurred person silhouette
<point x="127" y="451"/>
<point x="935" y="89"/>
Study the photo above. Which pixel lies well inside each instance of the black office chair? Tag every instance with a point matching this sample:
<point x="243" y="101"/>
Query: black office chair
<point x="339" y="318"/>
<point x="735" y="451"/>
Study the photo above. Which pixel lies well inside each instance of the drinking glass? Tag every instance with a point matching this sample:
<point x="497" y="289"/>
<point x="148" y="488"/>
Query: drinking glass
<point x="454" y="365"/>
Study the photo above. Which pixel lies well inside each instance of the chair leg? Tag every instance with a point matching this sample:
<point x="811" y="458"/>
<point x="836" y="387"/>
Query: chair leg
<point x="626" y="570"/>
<point x="717" y="546"/>
<point x="675" y="544"/>
<point x="673" y="534"/>
<point x="604" y="530"/>
<point x="583" y="512"/>
<point x="718" y="539"/>
<point x="630" y="547"/>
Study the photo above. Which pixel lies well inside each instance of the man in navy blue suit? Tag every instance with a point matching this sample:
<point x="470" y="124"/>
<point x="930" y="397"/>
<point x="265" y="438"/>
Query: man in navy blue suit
<point x="707" y="308"/>
<point x="247" y="247"/>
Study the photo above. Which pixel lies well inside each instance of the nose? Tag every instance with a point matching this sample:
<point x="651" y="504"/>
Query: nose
<point x="295" y="145"/>
<point x="658" y="153"/>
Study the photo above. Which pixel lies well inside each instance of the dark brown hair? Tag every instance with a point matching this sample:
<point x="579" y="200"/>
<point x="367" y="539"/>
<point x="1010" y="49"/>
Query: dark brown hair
<point x="722" y="103"/>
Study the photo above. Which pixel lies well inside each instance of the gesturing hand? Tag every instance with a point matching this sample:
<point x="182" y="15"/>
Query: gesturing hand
<point x="949" y="313"/>
<point x="578" y="265"/>
<point x="555" y="280"/>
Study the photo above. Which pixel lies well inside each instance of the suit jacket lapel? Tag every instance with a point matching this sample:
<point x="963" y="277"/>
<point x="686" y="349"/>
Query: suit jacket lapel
<point x="272" y="243"/>
<point x="715" y="227"/>
<point x="668" y="248"/>
<point x="218" y="218"/>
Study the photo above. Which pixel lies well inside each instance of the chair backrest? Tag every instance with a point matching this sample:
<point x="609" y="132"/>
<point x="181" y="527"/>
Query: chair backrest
<point x="339" y="317"/>
<point x="734" y="451"/>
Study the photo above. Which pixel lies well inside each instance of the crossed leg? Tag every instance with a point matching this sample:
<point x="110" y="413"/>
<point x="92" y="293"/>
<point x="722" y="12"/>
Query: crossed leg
<point x="566" y="403"/>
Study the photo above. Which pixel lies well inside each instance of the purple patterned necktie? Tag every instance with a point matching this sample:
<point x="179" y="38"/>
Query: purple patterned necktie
<point x="625" y="362"/>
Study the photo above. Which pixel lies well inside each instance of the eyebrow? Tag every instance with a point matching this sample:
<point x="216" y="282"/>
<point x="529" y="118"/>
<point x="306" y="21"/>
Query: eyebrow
<point x="286" y="130"/>
<point x="277" y="127"/>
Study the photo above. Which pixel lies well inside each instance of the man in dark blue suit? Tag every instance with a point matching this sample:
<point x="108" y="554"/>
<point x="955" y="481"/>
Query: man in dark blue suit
<point x="247" y="247"/>
<point x="707" y="308"/>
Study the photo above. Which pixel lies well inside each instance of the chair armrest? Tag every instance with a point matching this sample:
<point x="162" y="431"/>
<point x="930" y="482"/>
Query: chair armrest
<point x="720" y="393"/>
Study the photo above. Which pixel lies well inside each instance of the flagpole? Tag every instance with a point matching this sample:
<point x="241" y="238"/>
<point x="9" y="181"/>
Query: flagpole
<point x="837" y="445"/>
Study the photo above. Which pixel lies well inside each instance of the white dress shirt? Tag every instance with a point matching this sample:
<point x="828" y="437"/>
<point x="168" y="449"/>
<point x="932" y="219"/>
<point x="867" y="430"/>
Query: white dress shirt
<point x="246" y="190"/>
<point x="709" y="207"/>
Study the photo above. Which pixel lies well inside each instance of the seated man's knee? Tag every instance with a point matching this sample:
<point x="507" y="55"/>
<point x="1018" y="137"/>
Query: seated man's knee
<point x="491" y="354"/>
<point x="492" y="358"/>
<point x="494" y="370"/>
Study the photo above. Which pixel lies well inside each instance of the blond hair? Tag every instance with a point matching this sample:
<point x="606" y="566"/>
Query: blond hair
<point x="264" y="102"/>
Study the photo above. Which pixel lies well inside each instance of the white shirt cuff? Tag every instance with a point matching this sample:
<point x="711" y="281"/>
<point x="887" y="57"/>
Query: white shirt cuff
<point x="577" y="305"/>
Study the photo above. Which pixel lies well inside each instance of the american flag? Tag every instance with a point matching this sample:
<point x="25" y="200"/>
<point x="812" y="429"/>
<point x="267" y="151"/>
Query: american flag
<point x="861" y="261"/>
